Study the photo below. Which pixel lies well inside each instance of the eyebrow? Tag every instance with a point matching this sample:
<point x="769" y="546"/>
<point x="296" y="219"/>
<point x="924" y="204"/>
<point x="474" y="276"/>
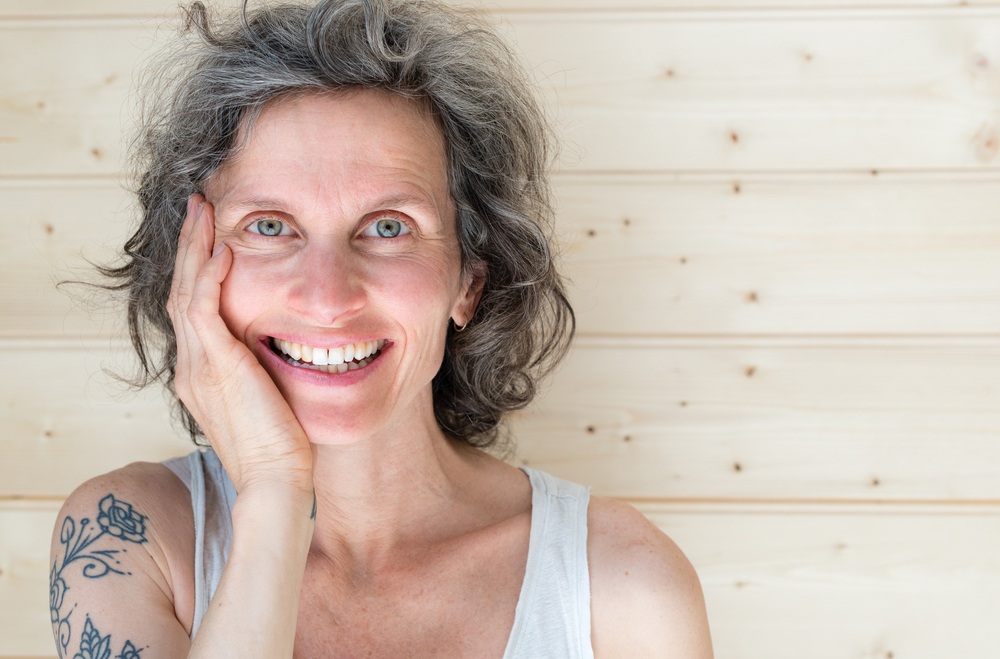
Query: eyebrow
<point x="389" y="201"/>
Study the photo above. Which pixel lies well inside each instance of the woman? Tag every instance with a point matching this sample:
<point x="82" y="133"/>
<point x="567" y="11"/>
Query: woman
<point x="344" y="253"/>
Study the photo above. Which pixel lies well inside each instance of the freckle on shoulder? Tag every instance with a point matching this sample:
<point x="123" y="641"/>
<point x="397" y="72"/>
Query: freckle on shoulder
<point x="621" y="541"/>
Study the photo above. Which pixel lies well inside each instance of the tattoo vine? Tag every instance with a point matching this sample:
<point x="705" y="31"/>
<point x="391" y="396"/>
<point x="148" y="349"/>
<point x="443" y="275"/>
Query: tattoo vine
<point x="117" y="519"/>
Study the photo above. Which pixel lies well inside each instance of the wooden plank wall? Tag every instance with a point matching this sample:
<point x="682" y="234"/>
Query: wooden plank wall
<point x="782" y="223"/>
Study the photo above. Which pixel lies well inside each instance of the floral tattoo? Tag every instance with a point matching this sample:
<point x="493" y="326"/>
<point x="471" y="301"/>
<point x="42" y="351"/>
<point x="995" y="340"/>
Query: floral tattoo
<point x="114" y="518"/>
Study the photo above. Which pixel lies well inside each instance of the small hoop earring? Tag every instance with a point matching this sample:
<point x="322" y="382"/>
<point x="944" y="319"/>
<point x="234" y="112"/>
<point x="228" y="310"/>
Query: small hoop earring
<point x="462" y="328"/>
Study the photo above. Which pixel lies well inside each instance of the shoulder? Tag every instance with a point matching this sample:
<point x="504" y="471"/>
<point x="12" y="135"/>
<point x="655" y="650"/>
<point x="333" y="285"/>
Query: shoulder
<point x="147" y="506"/>
<point x="646" y="599"/>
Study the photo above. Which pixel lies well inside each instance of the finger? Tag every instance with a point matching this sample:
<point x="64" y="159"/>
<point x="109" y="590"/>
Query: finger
<point x="184" y="270"/>
<point x="203" y="308"/>
<point x="203" y="311"/>
<point x="197" y="251"/>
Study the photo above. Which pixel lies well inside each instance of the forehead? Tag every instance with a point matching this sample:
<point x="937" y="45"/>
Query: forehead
<point x="338" y="148"/>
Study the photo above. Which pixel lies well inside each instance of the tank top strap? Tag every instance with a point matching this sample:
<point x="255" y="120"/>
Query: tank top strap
<point x="212" y="499"/>
<point x="552" y="620"/>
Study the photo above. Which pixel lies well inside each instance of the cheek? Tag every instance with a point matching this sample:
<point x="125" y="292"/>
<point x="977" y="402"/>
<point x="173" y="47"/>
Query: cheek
<point x="247" y="292"/>
<point x="419" y="291"/>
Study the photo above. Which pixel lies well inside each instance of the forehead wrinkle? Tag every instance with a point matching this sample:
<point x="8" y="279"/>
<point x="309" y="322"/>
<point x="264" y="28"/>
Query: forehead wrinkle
<point x="379" y="175"/>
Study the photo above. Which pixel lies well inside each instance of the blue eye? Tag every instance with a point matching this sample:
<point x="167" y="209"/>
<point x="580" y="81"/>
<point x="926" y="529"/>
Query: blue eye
<point x="386" y="228"/>
<point x="267" y="227"/>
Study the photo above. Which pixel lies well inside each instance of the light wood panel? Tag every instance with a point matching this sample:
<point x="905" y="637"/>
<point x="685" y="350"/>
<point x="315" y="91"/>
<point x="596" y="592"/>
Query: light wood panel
<point x="772" y="420"/>
<point x="830" y="584"/>
<point x="684" y="419"/>
<point x="837" y="93"/>
<point x="63" y="104"/>
<point x="645" y="255"/>
<point x="100" y="8"/>
<point x="59" y="227"/>
<point x="699" y="92"/>
<point x="105" y="8"/>
<point x="64" y="420"/>
<point x="824" y="255"/>
<point x="780" y="581"/>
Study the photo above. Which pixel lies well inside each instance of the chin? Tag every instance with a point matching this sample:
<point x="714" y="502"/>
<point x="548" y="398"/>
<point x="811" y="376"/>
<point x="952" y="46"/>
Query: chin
<point x="331" y="429"/>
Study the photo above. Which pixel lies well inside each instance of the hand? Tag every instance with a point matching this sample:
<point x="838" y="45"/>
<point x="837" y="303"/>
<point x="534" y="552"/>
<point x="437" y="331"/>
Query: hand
<point x="239" y="408"/>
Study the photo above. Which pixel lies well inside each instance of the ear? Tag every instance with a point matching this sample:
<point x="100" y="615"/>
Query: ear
<point x="465" y="306"/>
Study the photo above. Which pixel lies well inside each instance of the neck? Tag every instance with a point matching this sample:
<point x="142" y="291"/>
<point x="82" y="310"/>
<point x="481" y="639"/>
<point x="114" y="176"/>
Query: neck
<point x="391" y="489"/>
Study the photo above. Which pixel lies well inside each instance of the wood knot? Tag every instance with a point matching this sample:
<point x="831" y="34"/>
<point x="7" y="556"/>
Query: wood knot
<point x="736" y="187"/>
<point x="751" y="296"/>
<point x="734" y="138"/>
<point x="591" y="233"/>
<point x="987" y="143"/>
<point x="49" y="229"/>
<point x="591" y="430"/>
<point x="750" y="370"/>
<point x="737" y="467"/>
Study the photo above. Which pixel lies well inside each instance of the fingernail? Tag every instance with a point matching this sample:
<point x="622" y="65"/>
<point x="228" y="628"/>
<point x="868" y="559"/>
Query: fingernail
<point x="197" y="215"/>
<point x="218" y="248"/>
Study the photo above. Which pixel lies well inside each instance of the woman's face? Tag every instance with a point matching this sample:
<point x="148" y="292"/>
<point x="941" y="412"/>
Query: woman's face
<point x="343" y="233"/>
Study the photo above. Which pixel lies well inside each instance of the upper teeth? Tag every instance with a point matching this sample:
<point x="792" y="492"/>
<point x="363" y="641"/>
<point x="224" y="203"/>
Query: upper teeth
<point x="323" y="356"/>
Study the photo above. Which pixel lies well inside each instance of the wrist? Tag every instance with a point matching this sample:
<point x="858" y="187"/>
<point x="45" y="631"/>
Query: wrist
<point x="276" y="503"/>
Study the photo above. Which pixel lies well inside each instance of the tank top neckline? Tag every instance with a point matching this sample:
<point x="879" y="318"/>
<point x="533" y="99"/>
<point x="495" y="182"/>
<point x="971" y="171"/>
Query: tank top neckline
<point x="552" y="614"/>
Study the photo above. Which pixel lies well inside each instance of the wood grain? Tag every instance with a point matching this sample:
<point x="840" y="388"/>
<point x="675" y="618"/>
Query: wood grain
<point x="830" y="582"/>
<point x="142" y="8"/>
<point x="823" y="255"/>
<point x="61" y="227"/>
<point x="771" y="420"/>
<point x="688" y="93"/>
<point x="710" y="419"/>
<point x="64" y="420"/>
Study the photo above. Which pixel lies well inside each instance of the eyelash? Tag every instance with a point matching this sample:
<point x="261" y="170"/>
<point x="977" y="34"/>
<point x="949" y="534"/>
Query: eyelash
<point x="258" y="220"/>
<point x="406" y="227"/>
<point x="285" y="225"/>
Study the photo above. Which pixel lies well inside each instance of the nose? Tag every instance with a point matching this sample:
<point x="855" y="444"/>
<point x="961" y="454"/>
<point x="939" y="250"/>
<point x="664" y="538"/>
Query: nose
<point x="327" y="288"/>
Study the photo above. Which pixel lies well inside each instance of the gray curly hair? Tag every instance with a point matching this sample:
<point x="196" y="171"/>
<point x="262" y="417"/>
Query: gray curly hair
<point x="219" y="79"/>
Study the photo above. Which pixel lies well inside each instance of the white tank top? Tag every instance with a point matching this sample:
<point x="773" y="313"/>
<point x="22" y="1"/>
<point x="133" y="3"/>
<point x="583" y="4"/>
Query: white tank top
<point x="552" y="619"/>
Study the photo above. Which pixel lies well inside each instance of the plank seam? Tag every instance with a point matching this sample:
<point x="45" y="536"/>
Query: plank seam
<point x="604" y="14"/>
<point x="694" y="175"/>
<point x="596" y="341"/>
<point x="703" y="505"/>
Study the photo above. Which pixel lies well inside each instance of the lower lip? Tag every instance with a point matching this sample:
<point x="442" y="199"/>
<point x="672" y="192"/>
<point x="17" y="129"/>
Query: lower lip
<point x="345" y="379"/>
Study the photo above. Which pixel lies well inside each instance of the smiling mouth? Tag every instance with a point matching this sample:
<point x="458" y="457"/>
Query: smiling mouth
<point x="341" y="359"/>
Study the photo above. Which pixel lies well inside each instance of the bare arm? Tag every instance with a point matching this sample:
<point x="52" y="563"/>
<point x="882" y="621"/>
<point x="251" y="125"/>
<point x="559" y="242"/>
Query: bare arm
<point x="117" y="578"/>
<point x="122" y="572"/>
<point x="254" y="610"/>
<point x="646" y="598"/>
